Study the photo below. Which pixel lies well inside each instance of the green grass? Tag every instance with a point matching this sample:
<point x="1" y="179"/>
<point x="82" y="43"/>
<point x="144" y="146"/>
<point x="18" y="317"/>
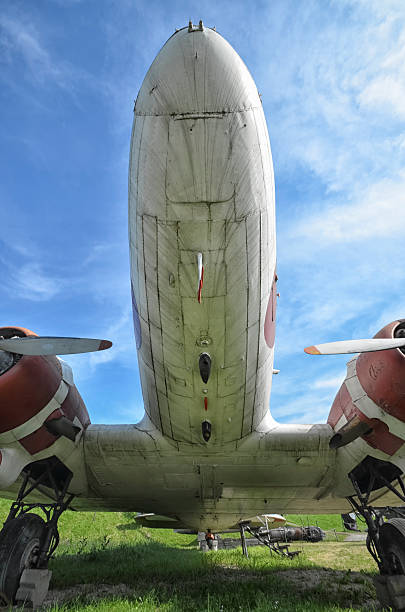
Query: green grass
<point x="324" y="521"/>
<point x="105" y="562"/>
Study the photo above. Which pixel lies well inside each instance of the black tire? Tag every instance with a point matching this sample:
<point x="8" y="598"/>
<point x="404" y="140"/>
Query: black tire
<point x="20" y="541"/>
<point x="392" y="541"/>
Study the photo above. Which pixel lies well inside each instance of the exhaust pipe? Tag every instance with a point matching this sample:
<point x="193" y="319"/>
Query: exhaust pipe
<point x="352" y="430"/>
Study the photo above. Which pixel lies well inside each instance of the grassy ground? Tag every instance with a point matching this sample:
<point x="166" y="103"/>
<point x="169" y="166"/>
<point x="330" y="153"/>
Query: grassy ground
<point x="324" y="521"/>
<point x="104" y="563"/>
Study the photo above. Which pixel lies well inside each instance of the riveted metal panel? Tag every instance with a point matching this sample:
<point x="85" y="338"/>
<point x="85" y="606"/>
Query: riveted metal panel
<point x="173" y="346"/>
<point x="231" y="418"/>
<point x="138" y="271"/>
<point x="214" y="280"/>
<point x="150" y="252"/>
<point x="266" y="268"/>
<point x="252" y="352"/>
<point x="180" y="381"/>
<point x="248" y="408"/>
<point x="180" y="417"/>
<point x="149" y="392"/>
<point x="151" y="163"/>
<point x="145" y="352"/>
<point x="197" y="72"/>
<point x="253" y="237"/>
<point x="165" y="414"/>
<point x="193" y="236"/>
<point x="198" y="159"/>
<point x="195" y="320"/>
<point x="236" y="299"/>
<point x="231" y="379"/>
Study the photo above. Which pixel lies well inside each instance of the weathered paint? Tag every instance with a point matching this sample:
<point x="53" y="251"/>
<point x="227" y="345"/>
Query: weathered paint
<point x="372" y="390"/>
<point x="270" y="320"/>
<point x="30" y="384"/>
<point x="137" y="323"/>
<point x="201" y="192"/>
<point x="380" y="437"/>
<point x="382" y="376"/>
<point x="34" y="390"/>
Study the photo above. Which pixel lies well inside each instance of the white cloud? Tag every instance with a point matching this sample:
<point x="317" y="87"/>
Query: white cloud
<point x="309" y="408"/>
<point x="132" y="413"/>
<point x="120" y="332"/>
<point x="22" y="40"/>
<point x="98" y="253"/>
<point x="329" y="383"/>
<point x="325" y="85"/>
<point x="384" y="93"/>
<point x="378" y="212"/>
<point x="30" y="282"/>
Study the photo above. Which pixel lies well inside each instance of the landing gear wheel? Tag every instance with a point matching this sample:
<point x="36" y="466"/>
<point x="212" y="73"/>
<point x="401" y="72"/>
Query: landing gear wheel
<point x="20" y="543"/>
<point x="392" y="542"/>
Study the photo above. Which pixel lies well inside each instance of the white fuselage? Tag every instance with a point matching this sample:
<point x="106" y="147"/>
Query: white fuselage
<point x="201" y="182"/>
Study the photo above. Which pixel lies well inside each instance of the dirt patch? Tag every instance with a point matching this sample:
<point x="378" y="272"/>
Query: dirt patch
<point x="347" y="588"/>
<point x="86" y="592"/>
<point x="92" y="592"/>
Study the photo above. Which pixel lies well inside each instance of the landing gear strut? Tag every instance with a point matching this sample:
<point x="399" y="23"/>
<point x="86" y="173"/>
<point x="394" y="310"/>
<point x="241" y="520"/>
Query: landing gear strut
<point x="385" y="538"/>
<point x="27" y="541"/>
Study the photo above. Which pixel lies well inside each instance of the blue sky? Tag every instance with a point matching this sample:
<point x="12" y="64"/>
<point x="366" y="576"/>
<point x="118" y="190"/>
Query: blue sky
<point x="332" y="79"/>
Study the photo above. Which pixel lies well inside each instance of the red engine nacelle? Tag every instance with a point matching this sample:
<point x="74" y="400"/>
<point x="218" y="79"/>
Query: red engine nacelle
<point x="373" y="394"/>
<point x="34" y="391"/>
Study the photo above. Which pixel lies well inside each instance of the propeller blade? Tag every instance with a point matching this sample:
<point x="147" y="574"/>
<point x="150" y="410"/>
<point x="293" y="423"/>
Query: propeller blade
<point x="355" y="346"/>
<point x="49" y="345"/>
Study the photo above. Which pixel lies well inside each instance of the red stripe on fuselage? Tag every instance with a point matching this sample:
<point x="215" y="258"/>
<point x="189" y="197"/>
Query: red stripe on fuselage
<point x="200" y="285"/>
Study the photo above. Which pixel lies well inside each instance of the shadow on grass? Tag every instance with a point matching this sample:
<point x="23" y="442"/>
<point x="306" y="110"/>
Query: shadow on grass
<point x="162" y="577"/>
<point x="128" y="526"/>
<point x="144" y="531"/>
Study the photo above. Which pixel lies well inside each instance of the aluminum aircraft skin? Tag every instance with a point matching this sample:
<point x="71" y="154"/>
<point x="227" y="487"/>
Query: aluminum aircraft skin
<point x="203" y="273"/>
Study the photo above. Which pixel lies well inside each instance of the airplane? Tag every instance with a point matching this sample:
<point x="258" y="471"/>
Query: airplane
<point x="207" y="453"/>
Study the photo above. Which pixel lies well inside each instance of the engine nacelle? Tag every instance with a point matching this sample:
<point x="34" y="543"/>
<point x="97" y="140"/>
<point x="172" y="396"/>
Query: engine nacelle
<point x="368" y="412"/>
<point x="41" y="411"/>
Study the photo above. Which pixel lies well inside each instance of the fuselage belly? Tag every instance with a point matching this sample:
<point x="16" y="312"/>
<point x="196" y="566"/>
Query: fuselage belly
<point x="201" y="193"/>
<point x="201" y="185"/>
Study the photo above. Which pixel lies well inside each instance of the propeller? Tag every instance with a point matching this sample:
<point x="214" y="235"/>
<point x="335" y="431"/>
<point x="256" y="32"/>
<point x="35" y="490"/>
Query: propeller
<point x="52" y="345"/>
<point x="355" y="346"/>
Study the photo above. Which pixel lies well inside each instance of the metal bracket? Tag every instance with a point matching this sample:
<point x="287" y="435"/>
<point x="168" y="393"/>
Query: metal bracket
<point x="193" y="28"/>
<point x="262" y="535"/>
